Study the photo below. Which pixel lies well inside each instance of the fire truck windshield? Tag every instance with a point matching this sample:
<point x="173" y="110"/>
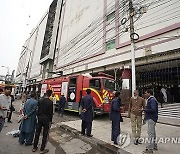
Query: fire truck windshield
<point x="109" y="84"/>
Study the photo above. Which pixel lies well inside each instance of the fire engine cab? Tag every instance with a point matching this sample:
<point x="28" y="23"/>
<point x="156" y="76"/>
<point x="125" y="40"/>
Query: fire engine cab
<point x="74" y="88"/>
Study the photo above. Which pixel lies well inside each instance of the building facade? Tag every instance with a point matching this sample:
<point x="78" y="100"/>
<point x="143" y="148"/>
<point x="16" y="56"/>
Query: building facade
<point x="93" y="36"/>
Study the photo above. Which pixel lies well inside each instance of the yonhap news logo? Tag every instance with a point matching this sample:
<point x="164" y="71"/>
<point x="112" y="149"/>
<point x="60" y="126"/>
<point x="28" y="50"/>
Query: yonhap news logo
<point x="159" y="140"/>
<point x="124" y="139"/>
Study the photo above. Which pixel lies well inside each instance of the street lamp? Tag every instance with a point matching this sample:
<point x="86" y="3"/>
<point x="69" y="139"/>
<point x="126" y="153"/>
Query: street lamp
<point x="7" y="72"/>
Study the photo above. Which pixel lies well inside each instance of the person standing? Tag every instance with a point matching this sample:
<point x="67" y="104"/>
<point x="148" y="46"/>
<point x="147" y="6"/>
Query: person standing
<point x="11" y="109"/>
<point x="53" y="99"/>
<point x="27" y="126"/>
<point x="136" y="103"/>
<point x="161" y="98"/>
<point x="45" y="115"/>
<point x="62" y="103"/>
<point x="5" y="102"/>
<point x="87" y="113"/>
<point x="151" y="117"/>
<point x="164" y="91"/>
<point x="115" y="117"/>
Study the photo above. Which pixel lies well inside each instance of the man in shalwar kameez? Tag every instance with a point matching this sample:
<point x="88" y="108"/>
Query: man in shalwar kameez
<point x="27" y="127"/>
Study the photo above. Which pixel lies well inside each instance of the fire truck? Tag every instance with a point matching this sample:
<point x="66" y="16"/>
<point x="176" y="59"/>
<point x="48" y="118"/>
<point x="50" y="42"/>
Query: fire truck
<point x="74" y="88"/>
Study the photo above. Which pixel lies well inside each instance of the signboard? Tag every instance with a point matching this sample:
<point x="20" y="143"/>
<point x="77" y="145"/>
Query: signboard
<point x="64" y="88"/>
<point x="43" y="89"/>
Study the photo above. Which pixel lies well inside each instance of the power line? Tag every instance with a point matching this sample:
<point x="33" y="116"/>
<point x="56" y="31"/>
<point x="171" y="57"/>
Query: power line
<point x="96" y="24"/>
<point x="154" y="12"/>
<point x="171" y="18"/>
<point x="93" y="40"/>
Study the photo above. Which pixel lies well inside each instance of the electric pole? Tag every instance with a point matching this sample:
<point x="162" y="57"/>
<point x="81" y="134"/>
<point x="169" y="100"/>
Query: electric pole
<point x="131" y="15"/>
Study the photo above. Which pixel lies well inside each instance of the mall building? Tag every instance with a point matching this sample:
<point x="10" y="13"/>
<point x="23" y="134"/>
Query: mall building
<point x="77" y="37"/>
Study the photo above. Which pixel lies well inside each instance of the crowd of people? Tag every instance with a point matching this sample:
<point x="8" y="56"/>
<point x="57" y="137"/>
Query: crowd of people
<point x="37" y="114"/>
<point x="137" y="106"/>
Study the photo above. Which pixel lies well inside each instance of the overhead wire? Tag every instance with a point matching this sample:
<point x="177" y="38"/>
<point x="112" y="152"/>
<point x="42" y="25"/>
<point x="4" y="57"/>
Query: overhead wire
<point x="93" y="36"/>
<point x="158" y="11"/>
<point x="94" y="26"/>
<point x="115" y="19"/>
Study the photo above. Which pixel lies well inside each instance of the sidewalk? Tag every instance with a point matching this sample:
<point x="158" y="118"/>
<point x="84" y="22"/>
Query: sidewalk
<point x="102" y="131"/>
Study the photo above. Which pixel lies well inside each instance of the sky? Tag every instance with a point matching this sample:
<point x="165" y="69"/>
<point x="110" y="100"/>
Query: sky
<point x="17" y="18"/>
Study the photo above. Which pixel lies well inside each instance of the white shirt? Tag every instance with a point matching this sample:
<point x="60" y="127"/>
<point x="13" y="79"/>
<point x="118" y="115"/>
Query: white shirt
<point x="5" y="101"/>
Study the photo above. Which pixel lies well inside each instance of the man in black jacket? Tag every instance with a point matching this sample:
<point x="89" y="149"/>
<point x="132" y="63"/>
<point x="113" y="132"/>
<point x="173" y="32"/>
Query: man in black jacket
<point x="44" y="114"/>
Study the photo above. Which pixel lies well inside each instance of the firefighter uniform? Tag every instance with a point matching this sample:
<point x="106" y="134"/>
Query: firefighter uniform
<point x="115" y="116"/>
<point x="87" y="115"/>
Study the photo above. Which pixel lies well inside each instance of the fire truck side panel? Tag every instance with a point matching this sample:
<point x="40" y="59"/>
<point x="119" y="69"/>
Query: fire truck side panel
<point x="43" y="89"/>
<point x="97" y="97"/>
<point x="74" y="88"/>
<point x="64" y="89"/>
<point x="79" y="88"/>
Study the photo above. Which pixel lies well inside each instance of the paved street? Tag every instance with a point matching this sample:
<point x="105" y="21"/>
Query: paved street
<point x="65" y="142"/>
<point x="60" y="142"/>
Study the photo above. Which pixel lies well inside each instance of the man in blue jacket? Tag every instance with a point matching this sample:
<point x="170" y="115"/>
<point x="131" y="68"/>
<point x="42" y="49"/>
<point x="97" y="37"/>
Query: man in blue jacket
<point x="87" y="113"/>
<point x="62" y="103"/>
<point x="115" y="116"/>
<point x="151" y="117"/>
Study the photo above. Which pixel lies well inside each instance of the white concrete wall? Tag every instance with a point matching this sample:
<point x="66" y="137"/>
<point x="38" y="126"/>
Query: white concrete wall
<point x="82" y="30"/>
<point x="23" y="62"/>
<point x="37" y="42"/>
<point x="159" y="15"/>
<point x="79" y="14"/>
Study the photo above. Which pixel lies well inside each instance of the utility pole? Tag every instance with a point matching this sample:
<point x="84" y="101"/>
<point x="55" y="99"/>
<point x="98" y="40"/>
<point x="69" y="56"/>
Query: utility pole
<point x="131" y="15"/>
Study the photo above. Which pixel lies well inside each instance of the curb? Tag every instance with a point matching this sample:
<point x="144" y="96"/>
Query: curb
<point x="161" y="122"/>
<point x="169" y="124"/>
<point x="96" y="142"/>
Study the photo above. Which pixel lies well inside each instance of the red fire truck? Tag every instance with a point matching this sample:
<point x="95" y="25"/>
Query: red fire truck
<point x="74" y="88"/>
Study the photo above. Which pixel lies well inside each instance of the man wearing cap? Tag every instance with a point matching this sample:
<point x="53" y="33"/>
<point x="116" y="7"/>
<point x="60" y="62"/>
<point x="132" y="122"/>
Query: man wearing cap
<point x="5" y="102"/>
<point x="87" y="113"/>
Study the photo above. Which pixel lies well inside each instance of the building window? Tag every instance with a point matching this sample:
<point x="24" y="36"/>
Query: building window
<point x="110" y="44"/>
<point x="111" y="16"/>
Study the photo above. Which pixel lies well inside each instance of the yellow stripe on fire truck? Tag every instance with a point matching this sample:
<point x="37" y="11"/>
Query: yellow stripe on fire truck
<point x="95" y="91"/>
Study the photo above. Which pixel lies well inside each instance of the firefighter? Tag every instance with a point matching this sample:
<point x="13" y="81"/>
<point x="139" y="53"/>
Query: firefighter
<point x="87" y="114"/>
<point x="115" y="117"/>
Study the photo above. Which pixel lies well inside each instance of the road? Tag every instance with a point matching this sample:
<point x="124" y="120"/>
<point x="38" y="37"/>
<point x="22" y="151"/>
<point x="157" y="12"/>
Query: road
<point x="60" y="142"/>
